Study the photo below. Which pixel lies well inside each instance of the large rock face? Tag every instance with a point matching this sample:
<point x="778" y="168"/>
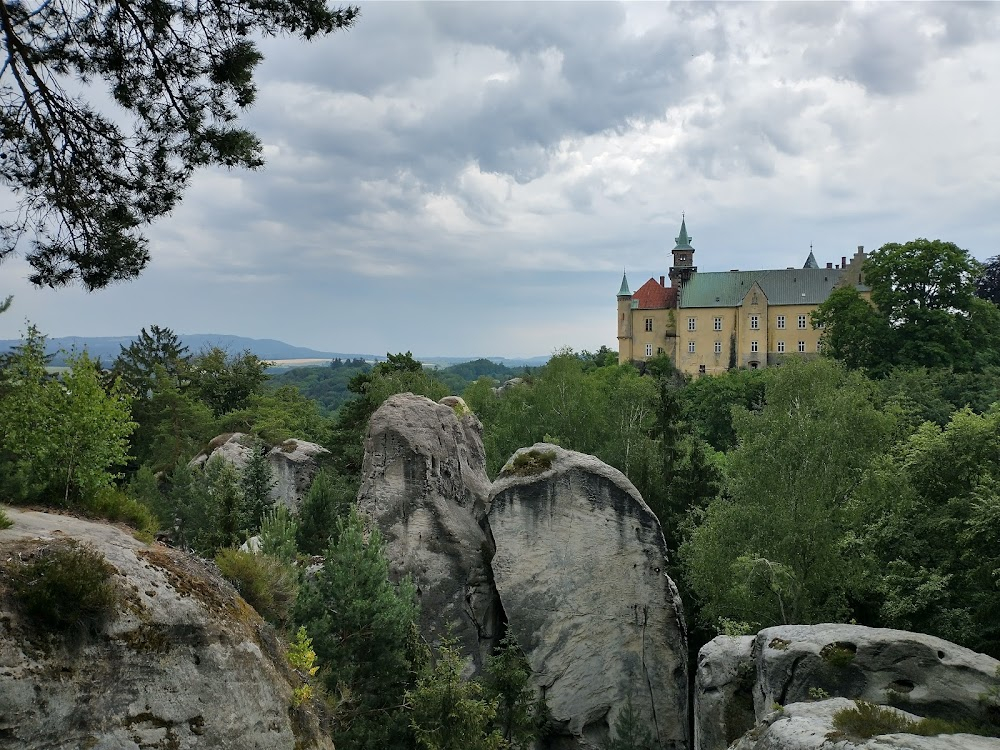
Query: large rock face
<point x="580" y="569"/>
<point x="723" y="692"/>
<point x="293" y="463"/>
<point x="810" y="726"/>
<point x="424" y="485"/>
<point x="185" y="663"/>
<point x="921" y="674"/>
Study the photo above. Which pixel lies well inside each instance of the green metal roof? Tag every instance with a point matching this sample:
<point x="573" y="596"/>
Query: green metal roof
<point x="683" y="241"/>
<point x="624" y="292"/>
<point x="796" y="286"/>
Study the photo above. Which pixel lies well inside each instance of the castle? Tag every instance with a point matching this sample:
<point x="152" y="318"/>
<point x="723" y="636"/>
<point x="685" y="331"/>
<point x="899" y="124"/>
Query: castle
<point x="712" y="322"/>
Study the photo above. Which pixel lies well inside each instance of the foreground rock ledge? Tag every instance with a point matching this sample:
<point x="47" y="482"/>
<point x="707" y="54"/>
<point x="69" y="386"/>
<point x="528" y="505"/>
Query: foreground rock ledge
<point x="580" y="570"/>
<point x="185" y="663"/>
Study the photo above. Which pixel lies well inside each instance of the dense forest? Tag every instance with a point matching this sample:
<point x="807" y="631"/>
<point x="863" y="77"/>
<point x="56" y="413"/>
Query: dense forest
<point x="862" y="485"/>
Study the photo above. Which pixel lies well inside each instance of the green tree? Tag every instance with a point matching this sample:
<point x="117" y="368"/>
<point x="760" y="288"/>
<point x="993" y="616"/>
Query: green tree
<point x="207" y="503"/>
<point x="363" y="634"/>
<point x="449" y="713"/>
<point x="256" y="483"/>
<point x="178" y="73"/>
<point x="519" y="715"/>
<point x="329" y="498"/>
<point x="772" y="549"/>
<point x="226" y="383"/>
<point x="630" y="731"/>
<point x="854" y="332"/>
<point x="173" y="425"/>
<point x="67" y="436"/>
<point x="137" y="363"/>
<point x="988" y="281"/>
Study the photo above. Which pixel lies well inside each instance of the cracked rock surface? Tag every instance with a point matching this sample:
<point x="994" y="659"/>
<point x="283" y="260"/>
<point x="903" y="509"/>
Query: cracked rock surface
<point x="580" y="570"/>
<point x="424" y="485"/>
<point x="184" y="662"/>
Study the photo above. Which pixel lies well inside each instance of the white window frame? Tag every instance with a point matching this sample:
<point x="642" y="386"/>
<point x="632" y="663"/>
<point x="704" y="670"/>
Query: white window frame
<point x="718" y="324"/>
<point x="781" y="347"/>
<point x="690" y="347"/>
<point x="649" y="324"/>
<point x="718" y="347"/>
<point x="691" y="324"/>
<point x="780" y="323"/>
<point x="754" y="322"/>
<point x="649" y="350"/>
<point x="802" y="347"/>
<point x="753" y="347"/>
<point x="802" y="322"/>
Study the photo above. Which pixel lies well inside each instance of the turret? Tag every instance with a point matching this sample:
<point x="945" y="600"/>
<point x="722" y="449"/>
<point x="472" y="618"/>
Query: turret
<point x="624" y="321"/>
<point x="683" y="266"/>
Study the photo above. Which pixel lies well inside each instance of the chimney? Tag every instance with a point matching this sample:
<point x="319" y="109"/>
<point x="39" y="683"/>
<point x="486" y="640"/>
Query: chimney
<point x="861" y="248"/>
<point x="661" y="281"/>
<point x="843" y="261"/>
<point x="829" y="265"/>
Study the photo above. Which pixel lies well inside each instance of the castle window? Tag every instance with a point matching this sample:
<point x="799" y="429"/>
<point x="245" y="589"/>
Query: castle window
<point x="649" y="350"/>
<point x="802" y="321"/>
<point x="781" y="347"/>
<point x="690" y="347"/>
<point x="754" y="322"/>
<point x="718" y="324"/>
<point x="690" y="324"/>
<point x="649" y="324"/>
<point x="781" y="321"/>
<point x="753" y="346"/>
<point x="701" y="369"/>
<point x="718" y="347"/>
<point x="659" y="350"/>
<point x="819" y="346"/>
<point x="802" y="346"/>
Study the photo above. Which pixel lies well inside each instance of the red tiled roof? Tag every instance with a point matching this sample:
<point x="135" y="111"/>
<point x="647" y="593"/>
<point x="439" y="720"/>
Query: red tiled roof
<point x="652" y="296"/>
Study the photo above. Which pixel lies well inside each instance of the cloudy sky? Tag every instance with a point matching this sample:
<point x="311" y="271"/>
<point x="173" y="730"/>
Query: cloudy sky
<point x="471" y="178"/>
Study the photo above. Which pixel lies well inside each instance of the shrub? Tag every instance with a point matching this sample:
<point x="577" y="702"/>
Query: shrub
<point x="65" y="587"/>
<point x="266" y="583"/>
<point x="114" y="505"/>
<point x="530" y="463"/>
<point x="5" y="522"/>
<point x="838" y="654"/>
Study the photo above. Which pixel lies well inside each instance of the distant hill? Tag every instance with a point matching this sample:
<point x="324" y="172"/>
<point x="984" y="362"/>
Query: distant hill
<point x="106" y="348"/>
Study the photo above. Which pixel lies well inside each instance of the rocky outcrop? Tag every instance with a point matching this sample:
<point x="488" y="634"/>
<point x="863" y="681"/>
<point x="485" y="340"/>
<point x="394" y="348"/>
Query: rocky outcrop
<point x="293" y="463"/>
<point x="723" y="692"/>
<point x="183" y="662"/>
<point x="810" y="726"/>
<point x="580" y="570"/>
<point x="424" y="485"/>
<point x="790" y="664"/>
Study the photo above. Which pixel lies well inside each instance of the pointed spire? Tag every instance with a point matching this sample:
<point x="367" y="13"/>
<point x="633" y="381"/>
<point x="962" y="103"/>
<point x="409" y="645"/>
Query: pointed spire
<point x="683" y="241"/>
<point x="624" y="292"/>
<point x="811" y="260"/>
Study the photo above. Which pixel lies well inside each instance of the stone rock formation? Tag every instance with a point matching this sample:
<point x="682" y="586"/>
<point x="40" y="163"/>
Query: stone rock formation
<point x="184" y="662"/>
<point x="723" y="692"/>
<point x="293" y="463"/>
<point x="424" y="485"/>
<point x="809" y="726"/>
<point x="927" y="676"/>
<point x="580" y="570"/>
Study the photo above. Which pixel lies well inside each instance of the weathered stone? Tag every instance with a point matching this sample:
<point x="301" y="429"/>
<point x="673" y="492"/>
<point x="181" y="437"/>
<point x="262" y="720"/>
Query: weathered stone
<point x="184" y="663"/>
<point x="424" y="485"/>
<point x="580" y="569"/>
<point x="919" y="673"/>
<point x="723" y="692"/>
<point x="809" y="726"/>
<point x="233" y="447"/>
<point x="294" y="464"/>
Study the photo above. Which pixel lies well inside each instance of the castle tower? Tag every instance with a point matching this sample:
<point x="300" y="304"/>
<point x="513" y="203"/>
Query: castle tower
<point x="683" y="265"/>
<point x="624" y="322"/>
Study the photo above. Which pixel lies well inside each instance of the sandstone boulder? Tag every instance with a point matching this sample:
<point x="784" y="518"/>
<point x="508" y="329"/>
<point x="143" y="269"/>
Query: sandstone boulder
<point x="810" y="726"/>
<point x="580" y="570"/>
<point x="424" y="485"/>
<point x="184" y="662"/>
<point x="723" y="692"/>
<point x="293" y="463"/>
<point x="920" y="673"/>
